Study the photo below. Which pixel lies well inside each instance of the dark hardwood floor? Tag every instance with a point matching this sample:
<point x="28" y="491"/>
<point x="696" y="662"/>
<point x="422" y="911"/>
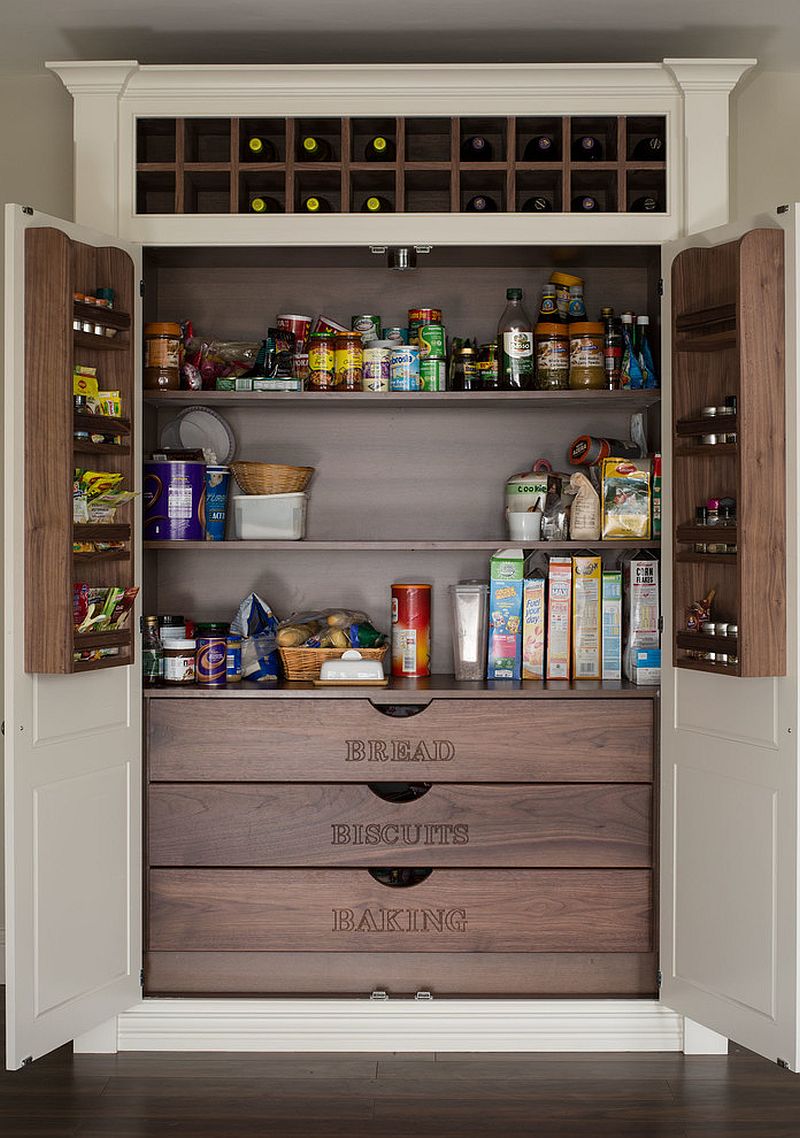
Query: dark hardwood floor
<point x="155" y="1095"/>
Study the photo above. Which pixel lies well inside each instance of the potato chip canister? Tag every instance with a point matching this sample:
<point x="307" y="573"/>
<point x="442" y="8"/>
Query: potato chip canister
<point x="411" y="630"/>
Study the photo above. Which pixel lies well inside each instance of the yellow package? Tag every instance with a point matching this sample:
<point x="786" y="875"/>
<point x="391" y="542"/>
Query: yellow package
<point x="97" y="483"/>
<point x="84" y="384"/>
<point x="626" y="500"/>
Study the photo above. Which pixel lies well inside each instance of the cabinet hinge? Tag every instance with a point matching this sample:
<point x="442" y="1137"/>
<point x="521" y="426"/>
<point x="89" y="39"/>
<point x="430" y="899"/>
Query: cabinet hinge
<point x="26" y="1062"/>
<point x="659" y="978"/>
<point x="782" y="209"/>
<point x="141" y="288"/>
<point x="141" y="977"/>
<point x="379" y="994"/>
<point x="423" y="995"/>
<point x="28" y="209"/>
<point x="782" y="1062"/>
<point x="3" y="727"/>
<point x="660" y="286"/>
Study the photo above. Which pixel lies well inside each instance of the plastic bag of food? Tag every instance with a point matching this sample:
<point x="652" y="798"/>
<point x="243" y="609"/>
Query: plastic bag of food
<point x="257" y="625"/>
<point x="584" y="517"/>
<point x="557" y="505"/>
<point x="626" y="500"/>
<point x="330" y="628"/>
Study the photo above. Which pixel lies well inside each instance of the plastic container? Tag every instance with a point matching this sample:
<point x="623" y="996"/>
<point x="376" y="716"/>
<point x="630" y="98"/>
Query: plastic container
<point x="216" y="507"/>
<point x="162" y="345"/>
<point x="269" y="517"/>
<point x="178" y="662"/>
<point x="470" y="601"/>
<point x="552" y="357"/>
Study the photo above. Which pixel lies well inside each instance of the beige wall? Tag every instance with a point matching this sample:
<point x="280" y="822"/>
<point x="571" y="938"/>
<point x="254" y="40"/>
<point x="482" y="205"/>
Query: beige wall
<point x="765" y="129"/>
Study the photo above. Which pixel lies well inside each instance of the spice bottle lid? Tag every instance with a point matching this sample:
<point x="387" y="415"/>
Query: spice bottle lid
<point x="713" y="503"/>
<point x="162" y="329"/>
<point x="513" y="294"/>
<point x="642" y="319"/>
<point x="179" y="644"/>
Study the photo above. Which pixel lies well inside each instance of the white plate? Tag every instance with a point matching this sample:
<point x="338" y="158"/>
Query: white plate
<point x="199" y="428"/>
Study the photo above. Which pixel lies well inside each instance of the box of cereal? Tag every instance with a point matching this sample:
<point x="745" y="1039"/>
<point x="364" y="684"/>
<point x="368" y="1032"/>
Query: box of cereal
<point x="533" y="626"/>
<point x="641" y="660"/>
<point x="505" y="615"/>
<point x="612" y="624"/>
<point x="586" y="609"/>
<point x="559" y="614"/>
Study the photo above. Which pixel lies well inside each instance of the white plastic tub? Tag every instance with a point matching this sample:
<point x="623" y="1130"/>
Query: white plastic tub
<point x="269" y="517"/>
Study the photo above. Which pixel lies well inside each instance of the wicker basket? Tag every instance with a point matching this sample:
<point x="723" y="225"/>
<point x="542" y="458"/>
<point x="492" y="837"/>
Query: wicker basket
<point x="306" y="663"/>
<point x="271" y="478"/>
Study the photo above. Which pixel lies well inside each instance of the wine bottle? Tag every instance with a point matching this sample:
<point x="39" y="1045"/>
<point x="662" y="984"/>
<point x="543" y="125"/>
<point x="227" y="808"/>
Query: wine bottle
<point x="316" y="204"/>
<point x="481" y="203"/>
<point x="541" y="148"/>
<point x="645" y="204"/>
<point x="649" y="150"/>
<point x="587" y="148"/>
<point x="380" y="149"/>
<point x="537" y="204"/>
<point x="376" y="204"/>
<point x="260" y="203"/>
<point x="584" y="203"/>
<point x="476" y="148"/>
<point x="261" y="150"/>
<point x="313" y="149"/>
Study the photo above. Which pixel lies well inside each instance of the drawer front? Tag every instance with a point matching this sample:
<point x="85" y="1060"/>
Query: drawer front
<point x="502" y="910"/>
<point x="246" y="824"/>
<point x="349" y="740"/>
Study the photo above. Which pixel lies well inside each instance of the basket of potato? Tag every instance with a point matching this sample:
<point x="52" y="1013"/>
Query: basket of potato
<point x="306" y="641"/>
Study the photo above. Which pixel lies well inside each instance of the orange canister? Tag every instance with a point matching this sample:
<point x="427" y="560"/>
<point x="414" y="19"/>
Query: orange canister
<point x="586" y="358"/>
<point x="411" y="630"/>
<point x="162" y="357"/>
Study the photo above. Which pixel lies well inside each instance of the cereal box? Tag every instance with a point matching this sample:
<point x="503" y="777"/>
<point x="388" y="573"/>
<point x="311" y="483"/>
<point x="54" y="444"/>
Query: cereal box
<point x="612" y="624"/>
<point x="533" y="628"/>
<point x="586" y="629"/>
<point x="641" y="659"/>
<point x="559" y="612"/>
<point x="505" y="615"/>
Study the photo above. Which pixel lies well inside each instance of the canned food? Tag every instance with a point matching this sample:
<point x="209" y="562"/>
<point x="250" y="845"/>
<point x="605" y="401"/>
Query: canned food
<point x="404" y="368"/>
<point x="411" y="630"/>
<point x="321" y="359"/>
<point x="419" y="316"/>
<point x="396" y="334"/>
<point x="432" y="375"/>
<point x="432" y="342"/>
<point x="299" y="326"/>
<point x="233" y="663"/>
<point x="349" y="359"/>
<point x="377" y="365"/>
<point x="711" y="440"/>
<point x="368" y="324"/>
<point x="211" y="661"/>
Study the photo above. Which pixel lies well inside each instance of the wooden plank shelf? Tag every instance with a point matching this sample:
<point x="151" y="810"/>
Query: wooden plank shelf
<point x="706" y="450"/>
<point x="707" y="319"/>
<point x="113" y="638"/>
<point x="108" y="317"/>
<point x="713" y="425"/>
<point x="103" y="555"/>
<point x="706" y="558"/>
<point x="388" y="546"/>
<point x="93" y="343"/>
<point x="86" y="446"/>
<point x="727" y="534"/>
<point x="706" y="342"/>
<point x="92" y="531"/>
<point x="102" y="424"/>
<point x="628" y="401"/>
<point x="707" y="666"/>
<point x="704" y="641"/>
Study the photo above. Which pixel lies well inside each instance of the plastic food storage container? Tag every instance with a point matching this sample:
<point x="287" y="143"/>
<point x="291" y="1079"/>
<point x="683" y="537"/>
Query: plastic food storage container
<point x="470" y="628"/>
<point x="269" y="517"/>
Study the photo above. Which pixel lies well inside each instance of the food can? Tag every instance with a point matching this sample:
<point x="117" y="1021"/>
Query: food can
<point x="299" y="326"/>
<point x="419" y="316"/>
<point x="368" y="324"/>
<point x="211" y="661"/>
<point x="216" y="504"/>
<point x="233" y="664"/>
<point x="404" y="368"/>
<point x="325" y="324"/>
<point x="411" y="630"/>
<point x="433" y="375"/>
<point x="396" y="334"/>
<point x="377" y="365"/>
<point x="321" y="359"/>
<point x="174" y="501"/>
<point x="349" y="358"/>
<point x="432" y="342"/>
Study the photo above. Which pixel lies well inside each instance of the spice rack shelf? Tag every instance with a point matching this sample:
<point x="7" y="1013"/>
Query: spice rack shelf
<point x="108" y="317"/>
<point x="628" y="401"/>
<point x="201" y="165"/>
<point x="728" y="338"/>
<point x="92" y="342"/>
<point x="310" y="546"/>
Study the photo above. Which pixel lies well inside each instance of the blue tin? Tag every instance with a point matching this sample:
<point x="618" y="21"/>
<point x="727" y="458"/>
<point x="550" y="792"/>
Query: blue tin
<point x="404" y="368"/>
<point x="217" y="484"/>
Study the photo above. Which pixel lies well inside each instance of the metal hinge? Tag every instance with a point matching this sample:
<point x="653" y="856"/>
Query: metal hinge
<point x="659" y="978"/>
<point x="3" y="727"/>
<point x="782" y="1062"/>
<point x="661" y="624"/>
<point x="141" y="977"/>
<point x="660" y="286"/>
<point x="378" y="994"/>
<point x="782" y="209"/>
<point x="28" y="209"/>
<point x="423" y="995"/>
<point x="141" y="288"/>
<point x="26" y="1062"/>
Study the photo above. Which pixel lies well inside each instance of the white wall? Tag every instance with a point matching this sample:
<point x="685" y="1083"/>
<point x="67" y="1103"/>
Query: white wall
<point x="765" y="129"/>
<point x="36" y="170"/>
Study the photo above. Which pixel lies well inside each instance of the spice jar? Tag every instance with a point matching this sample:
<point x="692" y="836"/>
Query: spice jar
<point x="348" y="361"/>
<point x="552" y="357"/>
<point x="465" y="375"/>
<point x="586" y="362"/>
<point x="178" y="661"/>
<point x="321" y="358"/>
<point x="162" y="348"/>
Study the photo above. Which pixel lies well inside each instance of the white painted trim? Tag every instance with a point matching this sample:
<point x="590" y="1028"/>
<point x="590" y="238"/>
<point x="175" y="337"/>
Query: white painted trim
<point x="101" y="1040"/>
<point x="3" y="953"/>
<point x="401" y="1025"/>
<point x="699" y="1040"/>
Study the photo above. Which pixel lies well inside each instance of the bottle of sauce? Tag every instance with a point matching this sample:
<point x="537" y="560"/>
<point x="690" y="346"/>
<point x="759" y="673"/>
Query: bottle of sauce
<point x="612" y="348"/>
<point x="515" y="344"/>
<point x="151" y="653"/>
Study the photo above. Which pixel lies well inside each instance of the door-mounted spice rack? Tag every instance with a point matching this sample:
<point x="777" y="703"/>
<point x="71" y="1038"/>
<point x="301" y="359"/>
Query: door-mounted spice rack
<point x="538" y="163"/>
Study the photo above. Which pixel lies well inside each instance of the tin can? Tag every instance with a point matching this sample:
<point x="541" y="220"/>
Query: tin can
<point x="211" y="661"/>
<point x="432" y="342"/>
<point x="174" y="501"/>
<point x="349" y="359"/>
<point x="299" y="326"/>
<point x="377" y="365"/>
<point x="396" y="334"/>
<point x="233" y="663"/>
<point x="321" y="359"/>
<point x="368" y="324"/>
<point x="325" y="324"/>
<point x="419" y="316"/>
<point x="433" y="375"/>
<point x="216" y="503"/>
<point x="404" y="368"/>
<point x="411" y="630"/>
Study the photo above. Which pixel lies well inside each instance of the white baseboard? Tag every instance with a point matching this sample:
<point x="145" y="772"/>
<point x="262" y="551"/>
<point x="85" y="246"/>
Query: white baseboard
<point x="402" y="1025"/>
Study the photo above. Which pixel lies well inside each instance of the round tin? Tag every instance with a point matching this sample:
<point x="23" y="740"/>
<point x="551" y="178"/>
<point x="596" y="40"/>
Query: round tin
<point x="211" y="661"/>
<point x="433" y="375"/>
<point x="377" y="365"/>
<point x="368" y="324"/>
<point x="419" y="316"/>
<point x="174" y="501"/>
<point x="233" y="664"/>
<point x="432" y="342"/>
<point x="396" y="334"/>
<point x="404" y="368"/>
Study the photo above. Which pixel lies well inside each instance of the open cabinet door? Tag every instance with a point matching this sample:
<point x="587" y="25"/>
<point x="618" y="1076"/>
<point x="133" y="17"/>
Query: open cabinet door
<point x="729" y="782"/>
<point x="72" y="727"/>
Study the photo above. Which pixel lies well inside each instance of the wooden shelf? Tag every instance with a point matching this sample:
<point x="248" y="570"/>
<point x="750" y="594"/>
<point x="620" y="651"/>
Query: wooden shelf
<point x="706" y="558"/>
<point x="90" y="531"/>
<point x="93" y="343"/>
<point x="108" y="317"/>
<point x="706" y="342"/>
<point x="692" y="533"/>
<point x="715" y="425"/>
<point x="708" y="666"/>
<point x="86" y="446"/>
<point x="703" y="641"/>
<point x="706" y="450"/>
<point x="103" y="555"/>
<point x="718" y="317"/>
<point x="629" y="401"/>
<point x="388" y="546"/>
<point x="102" y="424"/>
<point x="115" y="638"/>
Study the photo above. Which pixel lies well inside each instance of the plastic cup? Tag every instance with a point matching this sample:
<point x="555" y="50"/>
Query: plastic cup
<point x="470" y="604"/>
<point x="524" y="526"/>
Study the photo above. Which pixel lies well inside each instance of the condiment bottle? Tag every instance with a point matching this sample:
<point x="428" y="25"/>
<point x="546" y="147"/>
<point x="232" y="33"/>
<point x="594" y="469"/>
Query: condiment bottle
<point x="701" y="519"/>
<point x="577" y="308"/>
<point x="151" y="653"/>
<point x="162" y="347"/>
<point x="515" y="344"/>
<point x="712" y="506"/>
<point x="465" y="377"/>
<point x="612" y="348"/>
<point x="548" y="306"/>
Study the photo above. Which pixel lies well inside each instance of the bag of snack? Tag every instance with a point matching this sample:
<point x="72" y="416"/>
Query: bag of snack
<point x="626" y="500"/>
<point x="257" y="625"/>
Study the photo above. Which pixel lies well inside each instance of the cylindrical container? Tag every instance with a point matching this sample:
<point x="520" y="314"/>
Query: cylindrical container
<point x="589" y="450"/>
<point x="433" y="375"/>
<point x="162" y="349"/>
<point x="586" y="358"/>
<point x="377" y="365"/>
<point x="300" y="366"/>
<point x="233" y="667"/>
<point x="321" y="361"/>
<point x="174" y="501"/>
<point x="299" y="326"/>
<point x="216" y="509"/>
<point x="487" y="367"/>
<point x="564" y="282"/>
<point x="419" y="316"/>
<point x="470" y="600"/>
<point x="552" y="357"/>
<point x="404" y="368"/>
<point x="577" y="308"/>
<point x="396" y="334"/>
<point x="171" y="628"/>
<point x="211" y="661"/>
<point x="432" y="342"/>
<point x="325" y="324"/>
<point x="465" y="371"/>
<point x="411" y="630"/>
<point x="368" y="324"/>
<point x="348" y="361"/>
<point x="211" y="628"/>
<point x="178" y="662"/>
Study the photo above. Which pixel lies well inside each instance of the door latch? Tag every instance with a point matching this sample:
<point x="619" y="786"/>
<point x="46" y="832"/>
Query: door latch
<point x="379" y="994"/>
<point x="423" y="995"/>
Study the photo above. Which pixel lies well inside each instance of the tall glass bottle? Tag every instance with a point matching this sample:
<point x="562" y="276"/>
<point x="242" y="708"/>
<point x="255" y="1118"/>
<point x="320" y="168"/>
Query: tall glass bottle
<point x="151" y="652"/>
<point x="515" y="344"/>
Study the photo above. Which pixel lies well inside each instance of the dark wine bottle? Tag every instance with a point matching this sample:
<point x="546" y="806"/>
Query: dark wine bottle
<point x="645" y="204"/>
<point x="541" y="148"/>
<point x="587" y="148"/>
<point x="481" y="203"/>
<point x="260" y="203"/>
<point x="313" y="149"/>
<point x="649" y="150"/>
<point x="537" y="204"/>
<point x="316" y="204"/>
<point x="380" y="149"/>
<point x="261" y="150"/>
<point x="376" y="204"/>
<point x="584" y="203"/>
<point x="476" y="148"/>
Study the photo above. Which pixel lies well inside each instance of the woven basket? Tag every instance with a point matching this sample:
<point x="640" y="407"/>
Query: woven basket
<point x="271" y="478"/>
<point x="306" y="663"/>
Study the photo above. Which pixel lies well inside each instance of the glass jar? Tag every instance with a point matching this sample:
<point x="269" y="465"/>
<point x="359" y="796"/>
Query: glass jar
<point x="321" y="358"/>
<point x="348" y="361"/>
<point x="548" y="308"/>
<point x="488" y="368"/>
<point x="162" y="352"/>
<point x="178" y="661"/>
<point x="586" y="360"/>
<point x="552" y="357"/>
<point x="465" y="375"/>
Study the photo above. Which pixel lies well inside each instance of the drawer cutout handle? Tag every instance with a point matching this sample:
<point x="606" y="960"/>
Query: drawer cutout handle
<point x="400" y="878"/>
<point x="399" y="792"/>
<point x="400" y="710"/>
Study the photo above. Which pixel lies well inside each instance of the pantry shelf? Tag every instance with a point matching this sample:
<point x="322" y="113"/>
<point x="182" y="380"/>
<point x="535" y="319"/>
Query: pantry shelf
<point x="86" y="446"/>
<point x="628" y="401"/>
<point x="703" y="558"/>
<point x="706" y="450"/>
<point x="391" y="545"/>
<point x="91" y="342"/>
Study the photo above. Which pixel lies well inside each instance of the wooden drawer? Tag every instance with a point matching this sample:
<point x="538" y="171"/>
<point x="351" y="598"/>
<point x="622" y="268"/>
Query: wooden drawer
<point x="450" y="740"/>
<point x="247" y="824"/>
<point x="324" y="910"/>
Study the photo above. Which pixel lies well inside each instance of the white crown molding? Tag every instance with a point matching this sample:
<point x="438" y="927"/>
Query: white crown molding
<point x="95" y="77"/>
<point x="401" y="1025"/>
<point x="719" y="75"/>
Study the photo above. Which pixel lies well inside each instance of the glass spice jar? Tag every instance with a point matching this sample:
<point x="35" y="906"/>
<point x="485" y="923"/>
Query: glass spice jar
<point x="552" y="357"/>
<point x="162" y="352"/>
<point x="586" y="359"/>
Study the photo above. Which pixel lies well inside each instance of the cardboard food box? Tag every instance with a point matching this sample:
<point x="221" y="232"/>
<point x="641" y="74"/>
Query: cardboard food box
<point x="507" y="571"/>
<point x="641" y="661"/>
<point x="612" y="625"/>
<point x="586" y="615"/>
<point x="533" y="628"/>
<point x="559" y="614"/>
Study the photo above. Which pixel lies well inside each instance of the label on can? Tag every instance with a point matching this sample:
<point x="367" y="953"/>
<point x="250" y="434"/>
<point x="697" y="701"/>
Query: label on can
<point x="552" y="355"/>
<point x="432" y="340"/>
<point x="321" y="357"/>
<point x="368" y="324"/>
<point x="411" y="630"/>
<point x="396" y="334"/>
<point x="518" y="357"/>
<point x="233" y="663"/>
<point x="211" y="661"/>
<point x="404" y="369"/>
<point x="163" y="351"/>
<point x="376" y="368"/>
<point x="348" y="363"/>
<point x="433" y="375"/>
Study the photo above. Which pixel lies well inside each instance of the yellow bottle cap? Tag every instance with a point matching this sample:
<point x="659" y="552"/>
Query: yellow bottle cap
<point x="312" y="204"/>
<point x="373" y="204"/>
<point x="565" y="279"/>
<point x="256" y="145"/>
<point x="379" y="143"/>
<point x="309" y="144"/>
<point x="258" y="205"/>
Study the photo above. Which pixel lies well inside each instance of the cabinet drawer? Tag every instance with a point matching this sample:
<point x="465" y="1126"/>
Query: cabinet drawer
<point x="247" y="824"/>
<point x="449" y="740"/>
<point x="488" y="910"/>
